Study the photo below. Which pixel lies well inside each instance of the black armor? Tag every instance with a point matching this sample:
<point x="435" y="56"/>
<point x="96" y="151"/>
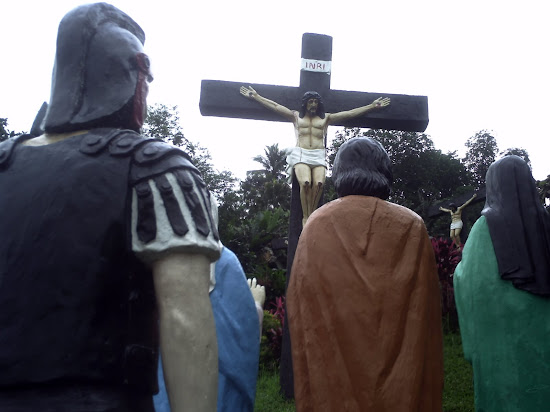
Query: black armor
<point x="82" y="308"/>
<point x="81" y="218"/>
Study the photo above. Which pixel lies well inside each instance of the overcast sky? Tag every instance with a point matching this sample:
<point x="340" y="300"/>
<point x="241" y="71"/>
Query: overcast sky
<point x="482" y="64"/>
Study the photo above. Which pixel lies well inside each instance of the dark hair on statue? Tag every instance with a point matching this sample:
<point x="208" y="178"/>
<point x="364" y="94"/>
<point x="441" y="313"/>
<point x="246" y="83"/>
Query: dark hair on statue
<point x="453" y="207"/>
<point x="320" y="107"/>
<point x="362" y="167"/>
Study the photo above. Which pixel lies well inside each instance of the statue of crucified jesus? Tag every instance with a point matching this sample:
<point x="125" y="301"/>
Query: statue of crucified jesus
<point x="310" y="124"/>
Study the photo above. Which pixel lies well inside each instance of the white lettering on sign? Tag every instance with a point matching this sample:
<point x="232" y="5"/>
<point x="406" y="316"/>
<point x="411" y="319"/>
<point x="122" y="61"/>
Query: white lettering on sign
<point x="316" y="65"/>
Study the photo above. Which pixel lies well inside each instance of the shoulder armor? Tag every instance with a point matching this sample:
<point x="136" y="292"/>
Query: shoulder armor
<point x="120" y="142"/>
<point x="151" y="161"/>
<point x="154" y="157"/>
<point x="7" y="146"/>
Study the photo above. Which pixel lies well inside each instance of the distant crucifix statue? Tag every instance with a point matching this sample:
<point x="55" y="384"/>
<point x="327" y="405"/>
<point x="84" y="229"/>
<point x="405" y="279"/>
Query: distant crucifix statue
<point x="456" y="219"/>
<point x="307" y="159"/>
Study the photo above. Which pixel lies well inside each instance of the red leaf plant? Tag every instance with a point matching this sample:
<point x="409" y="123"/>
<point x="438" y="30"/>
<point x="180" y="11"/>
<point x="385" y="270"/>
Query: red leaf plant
<point x="447" y="257"/>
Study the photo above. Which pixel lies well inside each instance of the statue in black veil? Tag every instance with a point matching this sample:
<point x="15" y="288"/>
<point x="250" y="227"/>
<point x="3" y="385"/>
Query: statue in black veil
<point x="519" y="225"/>
<point x="501" y="289"/>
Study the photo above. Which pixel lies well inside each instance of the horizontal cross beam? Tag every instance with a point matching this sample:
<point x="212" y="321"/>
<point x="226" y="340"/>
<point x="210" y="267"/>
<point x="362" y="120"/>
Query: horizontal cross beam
<point x="222" y="98"/>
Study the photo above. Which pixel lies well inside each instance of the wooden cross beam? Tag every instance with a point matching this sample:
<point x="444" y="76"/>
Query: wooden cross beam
<point x="222" y="98"/>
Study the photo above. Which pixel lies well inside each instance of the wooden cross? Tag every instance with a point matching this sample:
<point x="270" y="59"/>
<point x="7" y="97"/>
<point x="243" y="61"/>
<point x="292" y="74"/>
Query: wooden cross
<point x="222" y="98"/>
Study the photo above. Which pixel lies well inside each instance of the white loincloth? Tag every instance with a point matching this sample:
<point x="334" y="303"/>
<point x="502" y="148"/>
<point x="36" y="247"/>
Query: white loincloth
<point x="312" y="158"/>
<point x="456" y="225"/>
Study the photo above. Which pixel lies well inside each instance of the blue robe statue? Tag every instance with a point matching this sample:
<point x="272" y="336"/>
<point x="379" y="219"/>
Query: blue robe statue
<point x="238" y="333"/>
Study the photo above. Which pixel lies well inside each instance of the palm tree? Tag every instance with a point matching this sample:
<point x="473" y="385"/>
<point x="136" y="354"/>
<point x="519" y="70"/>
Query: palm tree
<point x="274" y="162"/>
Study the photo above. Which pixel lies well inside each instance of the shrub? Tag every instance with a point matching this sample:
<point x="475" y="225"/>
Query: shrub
<point x="447" y="257"/>
<point x="272" y="279"/>
<point x="272" y="335"/>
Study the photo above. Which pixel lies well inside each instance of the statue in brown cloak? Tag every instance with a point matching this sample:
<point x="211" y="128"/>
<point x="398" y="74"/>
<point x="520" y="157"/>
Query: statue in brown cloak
<point x="363" y="300"/>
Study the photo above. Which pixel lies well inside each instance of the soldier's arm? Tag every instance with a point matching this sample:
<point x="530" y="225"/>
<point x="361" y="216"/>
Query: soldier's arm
<point x="187" y="331"/>
<point x="358" y="111"/>
<point x="252" y="94"/>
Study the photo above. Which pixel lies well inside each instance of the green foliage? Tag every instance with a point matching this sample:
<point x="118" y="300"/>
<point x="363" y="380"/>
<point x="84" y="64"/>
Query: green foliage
<point x="482" y="152"/>
<point x="262" y="193"/>
<point x="266" y="225"/>
<point x="422" y="174"/>
<point x="253" y="215"/>
<point x="329" y="191"/>
<point x="5" y="133"/>
<point x="274" y="279"/>
<point x="251" y="239"/>
<point x="517" y="151"/>
<point x="267" y="188"/>
<point x="274" y="162"/>
<point x="261" y="218"/>
<point x="543" y="186"/>
<point x="163" y="123"/>
<point x="340" y="137"/>
<point x="268" y="394"/>
<point x="230" y="215"/>
<point x="269" y="360"/>
<point x="458" y="390"/>
<point x="258" y="215"/>
<point x="272" y="335"/>
<point x="446" y="258"/>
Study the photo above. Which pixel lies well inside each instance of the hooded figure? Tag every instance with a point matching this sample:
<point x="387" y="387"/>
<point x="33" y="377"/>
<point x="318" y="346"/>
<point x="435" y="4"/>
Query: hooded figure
<point x="501" y="288"/>
<point x="102" y="234"/>
<point x="363" y="300"/>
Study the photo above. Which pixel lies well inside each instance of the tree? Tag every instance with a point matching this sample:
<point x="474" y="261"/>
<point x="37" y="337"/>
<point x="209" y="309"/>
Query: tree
<point x="4" y="132"/>
<point x="517" y="152"/>
<point x="163" y="123"/>
<point x="256" y="220"/>
<point x="274" y="162"/>
<point x="543" y="187"/>
<point x="251" y="216"/>
<point x="267" y="188"/>
<point x="422" y="174"/>
<point x="482" y="152"/>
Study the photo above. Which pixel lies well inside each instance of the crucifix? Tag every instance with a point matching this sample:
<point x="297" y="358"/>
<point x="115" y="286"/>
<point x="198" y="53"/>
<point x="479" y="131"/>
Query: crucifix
<point x="225" y="99"/>
<point x="436" y="210"/>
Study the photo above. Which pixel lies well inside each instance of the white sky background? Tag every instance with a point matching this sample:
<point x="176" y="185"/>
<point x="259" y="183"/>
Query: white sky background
<point x="483" y="64"/>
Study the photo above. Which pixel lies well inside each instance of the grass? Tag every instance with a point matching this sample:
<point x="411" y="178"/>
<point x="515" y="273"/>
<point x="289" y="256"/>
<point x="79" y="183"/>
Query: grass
<point x="458" y="393"/>
<point x="268" y="395"/>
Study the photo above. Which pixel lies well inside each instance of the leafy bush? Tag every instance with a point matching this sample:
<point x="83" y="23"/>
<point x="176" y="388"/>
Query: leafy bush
<point x="274" y="281"/>
<point x="272" y="335"/>
<point x="447" y="257"/>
